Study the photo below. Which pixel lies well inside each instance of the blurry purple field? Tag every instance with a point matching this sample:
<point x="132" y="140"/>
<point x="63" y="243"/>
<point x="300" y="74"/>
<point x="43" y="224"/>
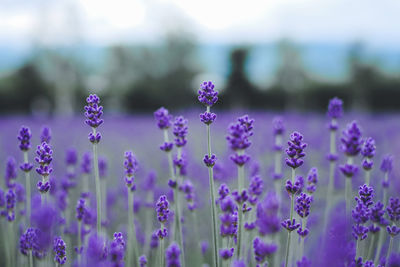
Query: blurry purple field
<point x="244" y="237"/>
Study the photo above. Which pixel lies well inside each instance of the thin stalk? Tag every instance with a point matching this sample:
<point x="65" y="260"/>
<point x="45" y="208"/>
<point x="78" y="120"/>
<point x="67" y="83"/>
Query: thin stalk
<point x="212" y="192"/>
<point x="162" y="254"/>
<point x="367" y="177"/>
<point x="28" y="191"/>
<point x="381" y="240"/>
<point x="348" y="189"/>
<point x="329" y="194"/>
<point x="371" y="246"/>
<point x="196" y="235"/>
<point x="11" y="243"/>
<point x="30" y="258"/>
<point x="79" y="241"/>
<point x="131" y="253"/>
<point x="389" y="250"/>
<point x="178" y="211"/>
<point x="357" y="248"/>
<point x="240" y="211"/>
<point x="385" y="196"/>
<point x="97" y="181"/>
<point x="104" y="197"/>
<point x="302" y="239"/>
<point x="291" y="218"/>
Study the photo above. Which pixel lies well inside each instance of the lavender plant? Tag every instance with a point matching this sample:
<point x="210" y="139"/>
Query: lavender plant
<point x="93" y="113"/>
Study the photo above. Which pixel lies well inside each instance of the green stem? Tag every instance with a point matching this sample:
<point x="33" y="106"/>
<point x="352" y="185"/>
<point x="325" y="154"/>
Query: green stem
<point x="389" y="250"/>
<point x="287" y="249"/>
<point x="329" y="194"/>
<point x="385" y="196"/>
<point x="79" y="241"/>
<point x="381" y="240"/>
<point x="97" y="181"/>
<point x="131" y="244"/>
<point x="30" y="258"/>
<point x="212" y="194"/>
<point x="367" y="177"/>
<point x="357" y="248"/>
<point x="28" y="191"/>
<point x="240" y="217"/>
<point x="162" y="253"/>
<point x="348" y="195"/>
<point x="11" y="242"/>
<point x="371" y="246"/>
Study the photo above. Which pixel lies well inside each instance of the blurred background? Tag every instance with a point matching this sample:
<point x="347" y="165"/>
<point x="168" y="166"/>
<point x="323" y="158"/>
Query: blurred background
<point x="139" y="55"/>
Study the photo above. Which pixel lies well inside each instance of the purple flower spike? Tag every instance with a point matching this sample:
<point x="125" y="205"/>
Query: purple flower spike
<point x="45" y="136"/>
<point x="360" y="213"/>
<point x="117" y="250"/>
<point x="387" y="163"/>
<point x="131" y="166"/>
<point x="208" y="117"/>
<point x="360" y="232"/>
<point x="290" y="225"/>
<point x="240" y="132"/>
<point x="44" y="158"/>
<point x="262" y="250"/>
<point x="277" y="126"/>
<point x="312" y="180"/>
<point x="59" y="248"/>
<point x="180" y="131"/>
<point x="162" y="209"/>
<point x="102" y="167"/>
<point x="351" y="140"/>
<point x="10" y="172"/>
<point x="292" y="189"/>
<point x="207" y="95"/>
<point x="10" y="199"/>
<point x="143" y="261"/>
<point x="71" y="156"/>
<point x="255" y="189"/>
<point x="167" y="146"/>
<point x="29" y="241"/>
<point x="93" y="111"/>
<point x="393" y="230"/>
<point x="377" y="214"/>
<point x="26" y="167"/>
<point x="172" y="255"/>
<point x="303" y="205"/>
<point x="43" y="187"/>
<point x="394" y="209"/>
<point x="349" y="170"/>
<point x="226" y="253"/>
<point x="24" y="137"/>
<point x="295" y="151"/>
<point x="366" y="194"/>
<point x="210" y="161"/>
<point x="303" y="232"/>
<point x="335" y="108"/>
<point x="80" y="209"/>
<point x="304" y="263"/>
<point x="163" y="118"/>
<point x="240" y="160"/>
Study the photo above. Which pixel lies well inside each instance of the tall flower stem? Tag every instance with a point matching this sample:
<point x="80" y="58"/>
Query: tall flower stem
<point x="11" y="243"/>
<point x="348" y="189"/>
<point x="212" y="194"/>
<point x="389" y="250"/>
<point x="332" y="167"/>
<point x="367" y="177"/>
<point x="371" y="246"/>
<point x="240" y="212"/>
<point x="385" y="195"/>
<point x="162" y="252"/>
<point x="291" y="218"/>
<point x="79" y="241"/>
<point x="30" y="258"/>
<point x="132" y="243"/>
<point x="302" y="239"/>
<point x="97" y="181"/>
<point x="28" y="190"/>
<point x="381" y="240"/>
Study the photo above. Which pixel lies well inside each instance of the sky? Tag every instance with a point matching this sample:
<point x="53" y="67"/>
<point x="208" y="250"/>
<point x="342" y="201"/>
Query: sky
<point x="104" y="22"/>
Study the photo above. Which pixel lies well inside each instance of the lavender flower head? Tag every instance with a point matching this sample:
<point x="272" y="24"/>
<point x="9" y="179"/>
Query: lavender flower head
<point x="351" y="140"/>
<point x="366" y="193"/>
<point x="44" y="158"/>
<point x="267" y="215"/>
<point x="86" y="164"/>
<point x="162" y="209"/>
<point x="117" y="250"/>
<point x="103" y="167"/>
<point x="377" y="214"/>
<point x="45" y="135"/>
<point x="238" y="139"/>
<point x="368" y="151"/>
<point x="278" y="126"/>
<point x="29" y="241"/>
<point x="335" y="108"/>
<point x="180" y="131"/>
<point x="262" y="250"/>
<point x="387" y="163"/>
<point x="394" y="209"/>
<point x="10" y="172"/>
<point x="255" y="189"/>
<point x="71" y="156"/>
<point x="59" y="249"/>
<point x="163" y="118"/>
<point x="303" y="205"/>
<point x="24" y="137"/>
<point x="93" y="113"/>
<point x="131" y="166"/>
<point x="9" y="212"/>
<point x="295" y="151"/>
<point x="96" y="250"/>
<point x="172" y="255"/>
<point x="226" y="253"/>
<point x="143" y="261"/>
<point x="80" y="209"/>
<point x="207" y="95"/>
<point x="312" y="180"/>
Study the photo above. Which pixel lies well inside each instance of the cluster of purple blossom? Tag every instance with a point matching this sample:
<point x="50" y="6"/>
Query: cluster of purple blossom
<point x="69" y="220"/>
